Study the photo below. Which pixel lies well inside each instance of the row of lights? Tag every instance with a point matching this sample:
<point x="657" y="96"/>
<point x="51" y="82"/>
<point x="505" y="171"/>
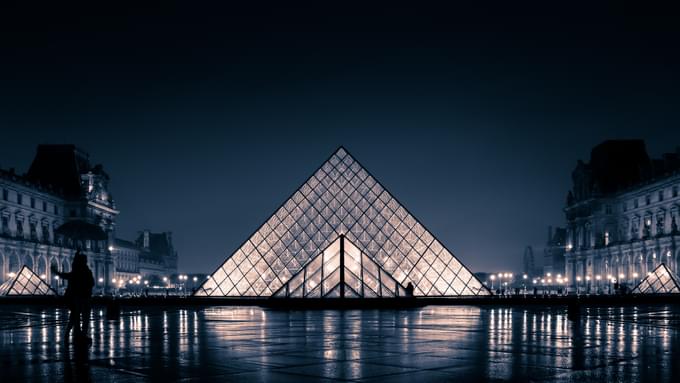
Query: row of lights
<point x="549" y="279"/>
<point x="610" y="277"/>
<point x="135" y="280"/>
<point x="501" y="276"/>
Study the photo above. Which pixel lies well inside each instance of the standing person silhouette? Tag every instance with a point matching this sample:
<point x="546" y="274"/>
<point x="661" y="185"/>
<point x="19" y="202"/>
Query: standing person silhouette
<point x="78" y="294"/>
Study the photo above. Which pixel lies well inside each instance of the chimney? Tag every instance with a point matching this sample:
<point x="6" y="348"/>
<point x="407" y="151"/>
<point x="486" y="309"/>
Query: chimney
<point x="550" y="233"/>
<point x="146" y="239"/>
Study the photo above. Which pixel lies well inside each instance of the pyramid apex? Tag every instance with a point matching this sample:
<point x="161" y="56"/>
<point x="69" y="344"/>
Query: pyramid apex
<point x="341" y="151"/>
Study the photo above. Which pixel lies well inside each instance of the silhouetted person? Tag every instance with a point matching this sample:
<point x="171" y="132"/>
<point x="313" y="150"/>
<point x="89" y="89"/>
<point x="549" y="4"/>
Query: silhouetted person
<point x="78" y="294"/>
<point x="409" y="289"/>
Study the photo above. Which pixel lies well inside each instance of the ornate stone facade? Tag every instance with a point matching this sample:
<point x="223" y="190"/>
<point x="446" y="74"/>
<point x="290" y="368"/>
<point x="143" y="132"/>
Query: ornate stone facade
<point x="60" y="186"/>
<point x="622" y="216"/>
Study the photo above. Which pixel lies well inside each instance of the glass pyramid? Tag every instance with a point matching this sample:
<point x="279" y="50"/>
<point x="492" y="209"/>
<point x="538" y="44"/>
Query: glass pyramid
<point x="26" y="283"/>
<point x="341" y="199"/>
<point x="659" y="281"/>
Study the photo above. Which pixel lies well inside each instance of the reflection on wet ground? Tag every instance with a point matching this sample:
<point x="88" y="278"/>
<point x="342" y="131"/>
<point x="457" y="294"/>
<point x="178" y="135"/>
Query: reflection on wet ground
<point x="438" y="343"/>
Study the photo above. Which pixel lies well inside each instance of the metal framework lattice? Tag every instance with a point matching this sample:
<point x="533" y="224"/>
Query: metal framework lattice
<point x="341" y="198"/>
<point x="26" y="283"/>
<point x="659" y="281"/>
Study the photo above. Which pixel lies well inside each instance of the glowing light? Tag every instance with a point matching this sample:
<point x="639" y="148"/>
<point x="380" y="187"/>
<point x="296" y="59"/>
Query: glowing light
<point x="113" y="280"/>
<point x="598" y="277"/>
<point x="56" y="277"/>
<point x="195" y="279"/>
<point x="110" y="248"/>
<point x="621" y="276"/>
<point x="165" y="279"/>
<point x="578" y="279"/>
<point x="635" y="275"/>
<point x="43" y="276"/>
<point x="493" y="277"/>
<point x="12" y="275"/>
<point x="549" y="274"/>
<point x="101" y="280"/>
<point x="587" y="277"/>
<point x="524" y="276"/>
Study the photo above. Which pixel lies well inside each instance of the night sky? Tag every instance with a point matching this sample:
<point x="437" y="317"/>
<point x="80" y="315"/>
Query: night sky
<point x="207" y="116"/>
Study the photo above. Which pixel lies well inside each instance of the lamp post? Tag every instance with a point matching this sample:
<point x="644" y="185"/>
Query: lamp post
<point x="493" y="277"/>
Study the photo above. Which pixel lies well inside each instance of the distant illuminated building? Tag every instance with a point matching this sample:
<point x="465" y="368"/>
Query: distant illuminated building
<point x="60" y="187"/>
<point x="622" y="215"/>
<point x="341" y="234"/>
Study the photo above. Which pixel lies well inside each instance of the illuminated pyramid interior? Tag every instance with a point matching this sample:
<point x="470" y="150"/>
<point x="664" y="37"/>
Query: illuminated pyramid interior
<point x="26" y="282"/>
<point x="386" y="247"/>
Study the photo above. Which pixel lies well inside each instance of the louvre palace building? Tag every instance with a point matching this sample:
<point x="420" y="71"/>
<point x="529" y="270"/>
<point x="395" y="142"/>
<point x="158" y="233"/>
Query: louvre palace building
<point x="62" y="188"/>
<point x="622" y="216"/>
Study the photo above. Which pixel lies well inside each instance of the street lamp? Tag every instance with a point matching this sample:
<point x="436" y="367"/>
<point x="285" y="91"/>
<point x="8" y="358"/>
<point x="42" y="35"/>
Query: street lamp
<point x="493" y="277"/>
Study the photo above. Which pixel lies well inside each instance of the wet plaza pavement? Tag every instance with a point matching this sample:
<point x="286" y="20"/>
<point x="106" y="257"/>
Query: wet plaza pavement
<point x="430" y="344"/>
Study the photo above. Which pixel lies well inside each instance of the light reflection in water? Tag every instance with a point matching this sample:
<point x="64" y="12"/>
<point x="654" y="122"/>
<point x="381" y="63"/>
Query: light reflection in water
<point x="508" y="343"/>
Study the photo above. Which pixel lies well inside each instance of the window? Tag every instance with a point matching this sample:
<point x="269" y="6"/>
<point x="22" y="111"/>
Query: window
<point x="608" y="209"/>
<point x="660" y="195"/>
<point x="648" y="199"/>
<point x="635" y="203"/>
<point x="45" y="232"/>
<point x="5" y="225"/>
<point x="625" y="206"/>
<point x="5" y="194"/>
<point x="675" y="191"/>
<point x="32" y="203"/>
<point x="34" y="231"/>
<point x="20" y="228"/>
<point x="73" y="213"/>
<point x="44" y="206"/>
<point x="20" y="198"/>
<point x="56" y="210"/>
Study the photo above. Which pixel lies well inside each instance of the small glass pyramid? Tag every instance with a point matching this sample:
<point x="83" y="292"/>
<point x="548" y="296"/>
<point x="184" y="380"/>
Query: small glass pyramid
<point x="26" y="283"/>
<point x="341" y="198"/>
<point x="659" y="281"/>
<point x="341" y="271"/>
